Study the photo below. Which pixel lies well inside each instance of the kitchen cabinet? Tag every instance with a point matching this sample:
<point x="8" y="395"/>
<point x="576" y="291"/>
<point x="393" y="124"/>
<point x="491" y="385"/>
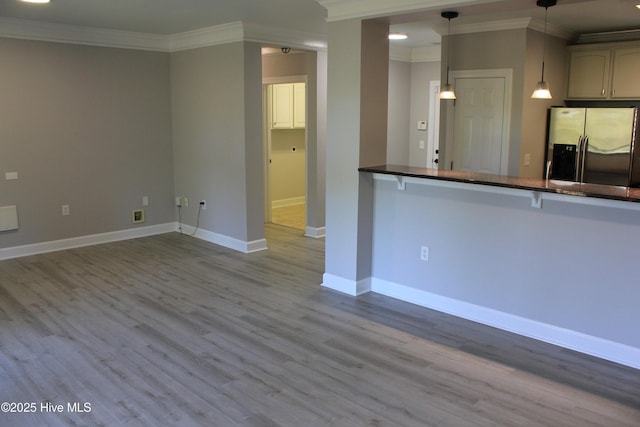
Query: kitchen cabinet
<point x="604" y="71"/>
<point x="288" y="106"/>
<point x="299" y="106"/>
<point x="626" y="66"/>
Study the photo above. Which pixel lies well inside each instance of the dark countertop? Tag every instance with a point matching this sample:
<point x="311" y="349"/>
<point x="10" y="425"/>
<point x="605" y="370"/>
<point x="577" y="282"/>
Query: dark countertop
<point x="627" y="194"/>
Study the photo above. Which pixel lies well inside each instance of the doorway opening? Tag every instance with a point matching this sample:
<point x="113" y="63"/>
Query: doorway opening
<point x="285" y="139"/>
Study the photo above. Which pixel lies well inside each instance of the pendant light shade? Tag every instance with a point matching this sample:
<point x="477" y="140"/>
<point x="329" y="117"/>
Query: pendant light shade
<point x="542" y="91"/>
<point x="446" y="91"/>
<point x="542" y="87"/>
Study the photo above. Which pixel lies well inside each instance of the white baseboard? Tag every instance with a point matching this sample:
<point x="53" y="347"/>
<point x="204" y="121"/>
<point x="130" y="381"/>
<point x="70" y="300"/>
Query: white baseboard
<point x="94" y="239"/>
<point x="315" y="232"/>
<point x="346" y="286"/>
<point x="226" y="241"/>
<point x="583" y="343"/>
<point x="301" y="200"/>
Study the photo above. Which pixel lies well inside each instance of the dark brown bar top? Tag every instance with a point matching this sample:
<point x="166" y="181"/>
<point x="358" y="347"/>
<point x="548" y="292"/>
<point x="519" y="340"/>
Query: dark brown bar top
<point x="627" y="194"/>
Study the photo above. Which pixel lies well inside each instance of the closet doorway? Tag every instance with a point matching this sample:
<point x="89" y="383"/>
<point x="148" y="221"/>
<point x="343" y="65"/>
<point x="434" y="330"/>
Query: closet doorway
<point x="286" y="153"/>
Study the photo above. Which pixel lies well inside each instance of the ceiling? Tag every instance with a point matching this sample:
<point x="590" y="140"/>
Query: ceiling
<point x="170" y="17"/>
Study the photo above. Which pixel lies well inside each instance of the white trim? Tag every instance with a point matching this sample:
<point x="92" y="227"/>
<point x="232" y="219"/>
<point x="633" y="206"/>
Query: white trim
<point x="226" y="241"/>
<point x="315" y="232"/>
<point x="300" y="78"/>
<point x="300" y="200"/>
<point x="346" y="286"/>
<point x="94" y="239"/>
<point x="588" y="344"/>
<point x="338" y="10"/>
<point x="433" y="131"/>
<point x="49" y="32"/>
<point x="282" y="36"/>
<point x="209" y="36"/>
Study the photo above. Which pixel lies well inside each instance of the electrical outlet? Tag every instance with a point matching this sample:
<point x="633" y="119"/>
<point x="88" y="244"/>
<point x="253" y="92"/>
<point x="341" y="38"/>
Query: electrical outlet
<point x="145" y="200"/>
<point x="65" y="210"/>
<point x="203" y="205"/>
<point x="527" y="159"/>
<point x="178" y="201"/>
<point x="421" y="144"/>
<point x="185" y="201"/>
<point x="424" y="253"/>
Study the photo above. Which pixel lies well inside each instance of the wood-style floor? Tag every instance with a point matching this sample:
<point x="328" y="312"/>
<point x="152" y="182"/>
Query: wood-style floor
<point x="173" y="331"/>
<point x="290" y="216"/>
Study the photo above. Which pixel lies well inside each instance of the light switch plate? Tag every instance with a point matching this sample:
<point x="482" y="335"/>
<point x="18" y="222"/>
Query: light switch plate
<point x="422" y="125"/>
<point x="11" y="176"/>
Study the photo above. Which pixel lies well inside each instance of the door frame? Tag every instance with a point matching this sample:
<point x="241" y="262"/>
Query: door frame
<point x="266" y="136"/>
<point x="433" y="130"/>
<point x="507" y="75"/>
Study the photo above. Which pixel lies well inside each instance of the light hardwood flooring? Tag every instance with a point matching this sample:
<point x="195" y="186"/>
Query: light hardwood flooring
<point x="290" y="216"/>
<point x="173" y="331"/>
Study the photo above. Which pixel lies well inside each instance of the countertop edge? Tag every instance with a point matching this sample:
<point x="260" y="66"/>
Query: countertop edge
<point x="621" y="194"/>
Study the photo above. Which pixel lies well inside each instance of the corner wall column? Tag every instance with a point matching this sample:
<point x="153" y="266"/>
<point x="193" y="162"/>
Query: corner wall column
<point x="358" y="70"/>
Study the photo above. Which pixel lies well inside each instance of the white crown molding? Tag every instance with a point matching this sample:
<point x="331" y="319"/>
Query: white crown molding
<point x="210" y="36"/>
<point x="284" y="37"/>
<point x="44" y="31"/>
<point x="338" y="10"/>
<point x="552" y="30"/>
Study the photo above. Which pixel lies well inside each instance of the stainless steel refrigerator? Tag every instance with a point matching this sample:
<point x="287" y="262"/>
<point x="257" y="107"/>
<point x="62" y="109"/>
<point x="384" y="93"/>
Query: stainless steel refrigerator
<point x="593" y="145"/>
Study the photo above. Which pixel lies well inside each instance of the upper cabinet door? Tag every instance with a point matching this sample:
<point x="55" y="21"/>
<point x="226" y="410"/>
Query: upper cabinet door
<point x="589" y="74"/>
<point x="626" y="69"/>
<point x="282" y="106"/>
<point x="299" y="106"/>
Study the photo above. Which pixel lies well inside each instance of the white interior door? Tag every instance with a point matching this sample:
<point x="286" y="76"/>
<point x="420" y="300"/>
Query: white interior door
<point x="479" y="139"/>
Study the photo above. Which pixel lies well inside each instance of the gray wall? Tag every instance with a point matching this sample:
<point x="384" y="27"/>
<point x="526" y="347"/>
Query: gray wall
<point x="85" y="126"/>
<point x="217" y="137"/>
<point x="399" y="112"/>
<point x="288" y="176"/>
<point x="562" y="265"/>
<point x="534" y="111"/>
<point x="408" y="103"/>
<point x="422" y="73"/>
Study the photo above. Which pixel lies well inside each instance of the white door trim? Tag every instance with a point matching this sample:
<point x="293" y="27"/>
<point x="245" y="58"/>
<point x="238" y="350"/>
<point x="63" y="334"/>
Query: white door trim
<point x="433" y="131"/>
<point x="507" y="75"/>
<point x="266" y="135"/>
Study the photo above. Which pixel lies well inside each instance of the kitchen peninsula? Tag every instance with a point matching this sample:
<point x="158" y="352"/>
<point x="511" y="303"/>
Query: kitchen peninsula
<point x="551" y="260"/>
<point x="628" y="194"/>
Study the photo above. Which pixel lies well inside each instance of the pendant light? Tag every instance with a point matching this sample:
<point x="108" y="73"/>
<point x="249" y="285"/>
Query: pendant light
<point x="542" y="87"/>
<point x="447" y="90"/>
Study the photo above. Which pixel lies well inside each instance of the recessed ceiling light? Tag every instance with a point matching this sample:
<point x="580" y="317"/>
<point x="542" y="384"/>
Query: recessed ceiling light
<point x="397" y="36"/>
<point x="35" y="1"/>
<point x="638" y="6"/>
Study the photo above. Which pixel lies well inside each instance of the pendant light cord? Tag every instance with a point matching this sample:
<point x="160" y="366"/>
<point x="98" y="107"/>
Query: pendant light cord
<point x="544" y="43"/>
<point x="448" y="49"/>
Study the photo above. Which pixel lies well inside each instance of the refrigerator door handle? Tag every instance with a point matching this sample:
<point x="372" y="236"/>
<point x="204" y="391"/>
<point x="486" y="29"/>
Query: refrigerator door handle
<point x="585" y="144"/>
<point x="578" y="176"/>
